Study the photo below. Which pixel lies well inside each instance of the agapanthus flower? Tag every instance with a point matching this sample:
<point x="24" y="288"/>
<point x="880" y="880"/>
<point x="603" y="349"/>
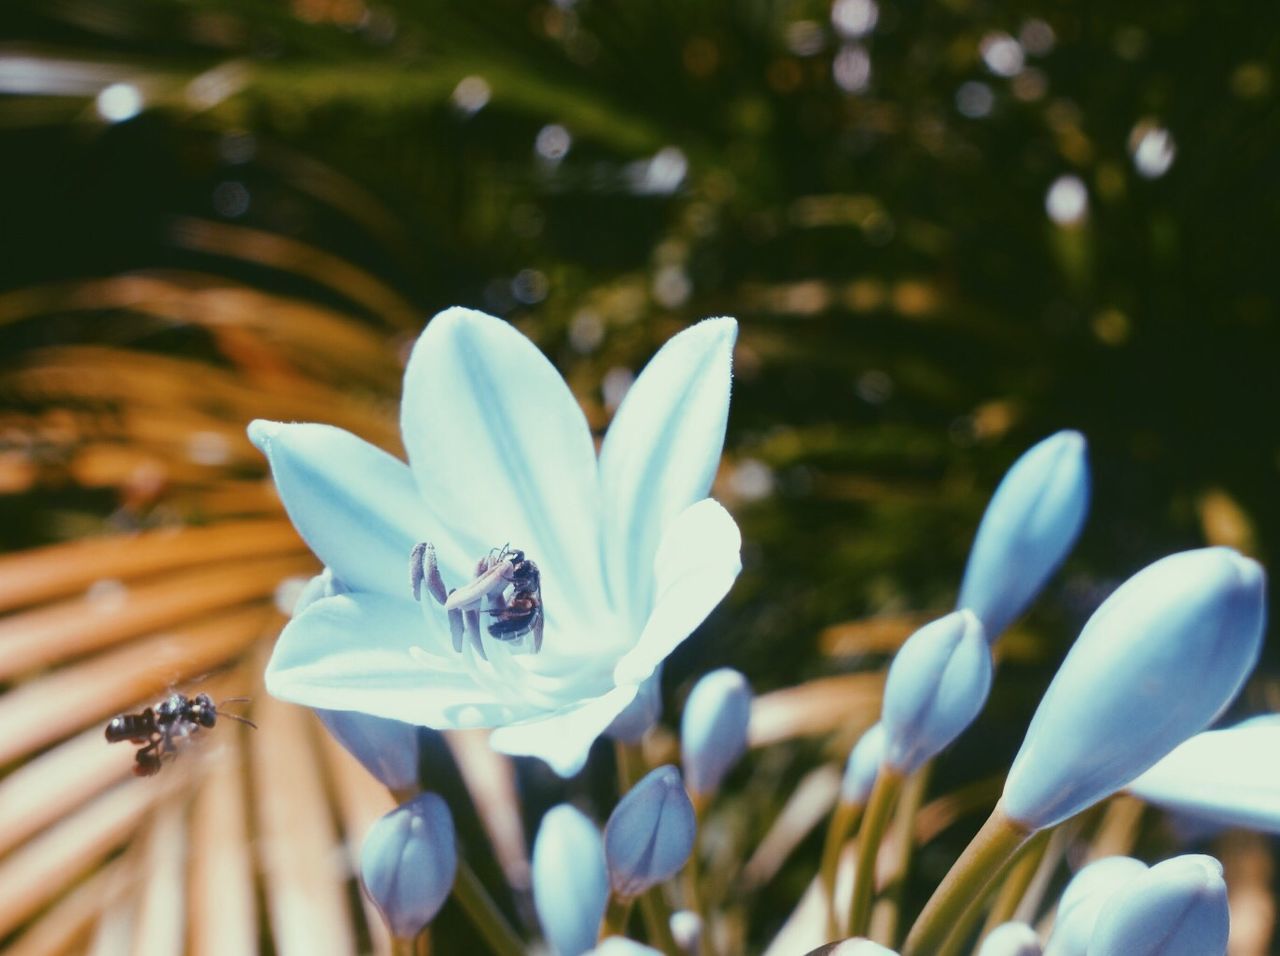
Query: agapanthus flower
<point x="630" y="554"/>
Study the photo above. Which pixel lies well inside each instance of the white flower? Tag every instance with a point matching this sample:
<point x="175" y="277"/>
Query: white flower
<point x="632" y="554"/>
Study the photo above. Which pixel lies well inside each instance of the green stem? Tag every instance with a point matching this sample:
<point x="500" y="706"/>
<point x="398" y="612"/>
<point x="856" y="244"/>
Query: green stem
<point x="657" y="920"/>
<point x="419" y="945"/>
<point x="692" y="890"/>
<point x="484" y="913"/>
<point x="903" y="843"/>
<point x="843" y="819"/>
<point x="879" y="808"/>
<point x="1015" y="884"/>
<point x="979" y="864"/>
<point x="616" y="915"/>
<point x="631" y="765"/>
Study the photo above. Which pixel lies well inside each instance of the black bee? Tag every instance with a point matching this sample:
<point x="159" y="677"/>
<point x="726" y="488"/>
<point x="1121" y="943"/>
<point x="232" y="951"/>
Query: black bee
<point x="521" y="613"/>
<point x="158" y="729"/>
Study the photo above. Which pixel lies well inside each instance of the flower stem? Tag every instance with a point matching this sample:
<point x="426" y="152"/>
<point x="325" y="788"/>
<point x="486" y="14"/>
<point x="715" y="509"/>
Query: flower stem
<point x="484" y="913"/>
<point x="843" y="819"/>
<point x="903" y="843"/>
<point x="1014" y="887"/>
<point x="879" y="808"/>
<point x="657" y="920"/>
<point x="631" y="765"/>
<point x="616" y="915"/>
<point x="419" y="945"/>
<point x="979" y="864"/>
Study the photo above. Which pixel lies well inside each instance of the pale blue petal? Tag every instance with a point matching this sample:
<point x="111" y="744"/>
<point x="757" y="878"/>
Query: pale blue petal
<point x="1176" y="908"/>
<point x="650" y="833"/>
<point x="696" y="564"/>
<point x="1156" y="663"/>
<point x="1027" y="531"/>
<point x="378" y="655"/>
<point x="937" y="685"/>
<point x="502" y="451"/>
<point x="563" y="739"/>
<point x="621" y="946"/>
<point x="388" y="749"/>
<point x="356" y="506"/>
<point x="1229" y="777"/>
<point x="661" y="452"/>
<point x="642" y="713"/>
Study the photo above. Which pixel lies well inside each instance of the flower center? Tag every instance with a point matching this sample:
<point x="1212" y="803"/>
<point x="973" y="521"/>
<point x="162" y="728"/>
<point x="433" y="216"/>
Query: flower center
<point x="503" y="602"/>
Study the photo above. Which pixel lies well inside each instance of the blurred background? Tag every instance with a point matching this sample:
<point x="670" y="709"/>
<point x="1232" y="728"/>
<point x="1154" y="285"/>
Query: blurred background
<point x="947" y="230"/>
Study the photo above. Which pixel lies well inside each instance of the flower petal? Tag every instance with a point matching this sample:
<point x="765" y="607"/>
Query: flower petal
<point x="356" y="506"/>
<point x="502" y="451"/>
<point x="564" y="739"/>
<point x="662" y="450"/>
<point x="379" y="656"/>
<point x="694" y="568"/>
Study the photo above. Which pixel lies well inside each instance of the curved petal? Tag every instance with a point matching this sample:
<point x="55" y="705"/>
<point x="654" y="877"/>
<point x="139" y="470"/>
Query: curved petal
<point x="564" y="739"/>
<point x="661" y="452"/>
<point x="356" y="506"/>
<point x="694" y="568"/>
<point x="502" y="452"/>
<point x="379" y="656"/>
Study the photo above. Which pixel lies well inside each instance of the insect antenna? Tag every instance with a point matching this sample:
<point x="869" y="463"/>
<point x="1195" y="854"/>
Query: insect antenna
<point x="235" y="700"/>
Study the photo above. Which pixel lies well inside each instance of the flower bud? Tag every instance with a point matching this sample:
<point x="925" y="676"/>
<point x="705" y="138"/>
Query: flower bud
<point x="408" y="863"/>
<point x="650" y="834"/>
<point x="1086" y="894"/>
<point x="686" y="930"/>
<point x="863" y="765"/>
<point x="713" y="728"/>
<point x="621" y="946"/>
<point x="1156" y="663"/>
<point x="1228" y="777"/>
<point x="1011" y="939"/>
<point x="1027" y="531"/>
<point x="570" y="885"/>
<point x="937" y="685"/>
<point x="1176" y="908"/>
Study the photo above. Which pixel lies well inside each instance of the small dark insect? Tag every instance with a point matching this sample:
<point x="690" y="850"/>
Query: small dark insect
<point x="507" y="585"/>
<point x="159" y="728"/>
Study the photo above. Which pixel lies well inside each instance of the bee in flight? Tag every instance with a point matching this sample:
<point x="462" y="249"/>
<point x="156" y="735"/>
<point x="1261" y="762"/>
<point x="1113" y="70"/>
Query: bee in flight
<point x="507" y="586"/>
<point x="159" y="729"/>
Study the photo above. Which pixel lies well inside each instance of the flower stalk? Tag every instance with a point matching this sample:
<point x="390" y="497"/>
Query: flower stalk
<point x="484" y="913"/>
<point x="982" y="860"/>
<point x="884" y="796"/>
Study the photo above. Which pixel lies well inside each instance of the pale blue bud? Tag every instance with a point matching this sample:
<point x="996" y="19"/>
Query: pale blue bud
<point x="650" y="834"/>
<point x="570" y="884"/>
<point x="863" y="765"/>
<point x="1027" y="531"/>
<point x="1157" y="662"/>
<point x="641" y="714"/>
<point x="713" y="728"/>
<point x="1086" y="894"/>
<point x="1177" y="908"/>
<point x="1011" y="939"/>
<point x="937" y="685"/>
<point x="621" y="946"/>
<point x="388" y="749"/>
<point x="408" y="863"/>
<point x="1228" y="777"/>
<point x="686" y="930"/>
